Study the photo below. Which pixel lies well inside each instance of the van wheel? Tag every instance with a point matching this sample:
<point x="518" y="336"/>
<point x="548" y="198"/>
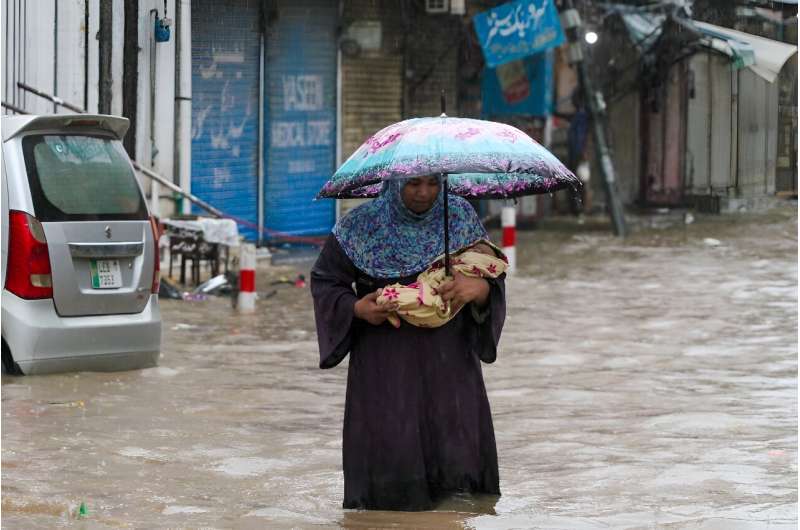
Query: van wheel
<point x="9" y="366"/>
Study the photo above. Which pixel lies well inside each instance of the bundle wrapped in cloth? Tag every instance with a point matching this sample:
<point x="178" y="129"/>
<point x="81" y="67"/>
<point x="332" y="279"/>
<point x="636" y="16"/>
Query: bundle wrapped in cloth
<point x="421" y="305"/>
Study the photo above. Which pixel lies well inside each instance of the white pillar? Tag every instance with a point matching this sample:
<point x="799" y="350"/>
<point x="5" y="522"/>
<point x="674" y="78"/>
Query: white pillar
<point x="247" y="279"/>
<point x="508" y="219"/>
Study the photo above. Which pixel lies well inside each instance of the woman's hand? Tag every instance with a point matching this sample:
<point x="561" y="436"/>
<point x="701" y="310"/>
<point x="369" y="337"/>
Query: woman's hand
<point x="368" y="308"/>
<point x="462" y="290"/>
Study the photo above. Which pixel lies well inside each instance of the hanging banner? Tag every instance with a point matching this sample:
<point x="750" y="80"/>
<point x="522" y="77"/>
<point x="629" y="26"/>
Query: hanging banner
<point x="523" y="87"/>
<point x="518" y="29"/>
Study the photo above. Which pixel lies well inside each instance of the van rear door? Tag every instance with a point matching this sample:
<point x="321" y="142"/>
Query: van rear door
<point x="95" y="219"/>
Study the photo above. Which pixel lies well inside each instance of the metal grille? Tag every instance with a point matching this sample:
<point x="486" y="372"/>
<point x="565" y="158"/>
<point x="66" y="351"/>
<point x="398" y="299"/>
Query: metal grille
<point x="301" y="115"/>
<point x="225" y="70"/>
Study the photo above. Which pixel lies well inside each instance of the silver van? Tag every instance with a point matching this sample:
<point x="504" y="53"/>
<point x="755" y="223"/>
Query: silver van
<point x="80" y="266"/>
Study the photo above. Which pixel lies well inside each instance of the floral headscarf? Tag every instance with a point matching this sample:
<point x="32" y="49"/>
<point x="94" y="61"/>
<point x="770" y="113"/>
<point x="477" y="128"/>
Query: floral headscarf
<point x="386" y="240"/>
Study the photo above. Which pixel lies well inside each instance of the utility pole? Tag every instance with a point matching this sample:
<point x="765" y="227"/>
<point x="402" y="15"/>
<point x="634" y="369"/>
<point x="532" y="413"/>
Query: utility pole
<point x="573" y="27"/>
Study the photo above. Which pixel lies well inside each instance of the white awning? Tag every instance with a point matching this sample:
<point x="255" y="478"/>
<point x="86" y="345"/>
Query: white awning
<point x="770" y="55"/>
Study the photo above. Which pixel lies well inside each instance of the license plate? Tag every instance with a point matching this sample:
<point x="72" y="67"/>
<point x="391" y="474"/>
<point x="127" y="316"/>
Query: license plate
<point x="106" y="274"/>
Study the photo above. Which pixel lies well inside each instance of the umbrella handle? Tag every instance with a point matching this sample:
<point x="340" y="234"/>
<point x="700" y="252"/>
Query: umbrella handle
<point x="446" y="228"/>
<point x="442" y="101"/>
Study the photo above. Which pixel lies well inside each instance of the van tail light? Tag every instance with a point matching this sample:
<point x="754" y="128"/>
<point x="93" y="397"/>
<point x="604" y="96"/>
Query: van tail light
<point x="28" y="273"/>
<point x="157" y="257"/>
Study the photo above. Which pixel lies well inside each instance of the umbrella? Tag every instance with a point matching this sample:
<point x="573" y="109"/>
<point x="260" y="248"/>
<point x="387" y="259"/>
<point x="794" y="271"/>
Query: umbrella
<point x="476" y="158"/>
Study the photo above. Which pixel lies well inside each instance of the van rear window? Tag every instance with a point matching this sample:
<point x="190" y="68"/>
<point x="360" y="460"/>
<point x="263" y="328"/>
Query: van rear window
<point x="81" y="178"/>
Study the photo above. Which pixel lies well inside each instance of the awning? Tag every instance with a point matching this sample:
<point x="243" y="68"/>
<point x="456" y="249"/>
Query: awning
<point x="644" y="28"/>
<point x="764" y="56"/>
<point x="769" y="55"/>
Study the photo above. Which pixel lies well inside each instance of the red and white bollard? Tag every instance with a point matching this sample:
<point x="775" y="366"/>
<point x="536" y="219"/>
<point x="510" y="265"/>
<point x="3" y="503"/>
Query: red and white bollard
<point x="247" y="279"/>
<point x="508" y="218"/>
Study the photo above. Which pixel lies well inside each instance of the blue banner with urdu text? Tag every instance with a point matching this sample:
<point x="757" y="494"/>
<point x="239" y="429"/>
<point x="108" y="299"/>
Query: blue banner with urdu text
<point x="518" y="29"/>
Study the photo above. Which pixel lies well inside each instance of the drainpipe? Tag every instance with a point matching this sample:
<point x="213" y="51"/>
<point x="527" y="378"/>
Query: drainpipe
<point x="130" y="74"/>
<point x="261" y="133"/>
<point x="105" y="36"/>
<point x="339" y="105"/>
<point x="155" y="188"/>
<point x="711" y="123"/>
<point x="734" y="163"/>
<point x="55" y="56"/>
<point x="183" y="100"/>
<point x="85" y="55"/>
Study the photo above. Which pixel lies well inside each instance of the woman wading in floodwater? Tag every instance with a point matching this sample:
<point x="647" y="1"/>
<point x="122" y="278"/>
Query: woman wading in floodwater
<point x="417" y="424"/>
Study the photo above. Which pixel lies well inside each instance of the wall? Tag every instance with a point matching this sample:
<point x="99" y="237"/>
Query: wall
<point x="433" y="46"/>
<point x="45" y="46"/>
<point x="155" y="141"/>
<point x="664" y="132"/>
<point x="372" y="79"/>
<point x="624" y="128"/>
<point x="54" y="49"/>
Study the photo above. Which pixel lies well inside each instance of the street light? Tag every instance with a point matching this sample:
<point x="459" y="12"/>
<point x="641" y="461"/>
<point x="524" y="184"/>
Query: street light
<point x="571" y="22"/>
<point x="591" y="37"/>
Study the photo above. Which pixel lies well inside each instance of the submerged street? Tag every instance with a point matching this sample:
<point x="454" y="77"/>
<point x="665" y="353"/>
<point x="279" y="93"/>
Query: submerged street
<point x="640" y="383"/>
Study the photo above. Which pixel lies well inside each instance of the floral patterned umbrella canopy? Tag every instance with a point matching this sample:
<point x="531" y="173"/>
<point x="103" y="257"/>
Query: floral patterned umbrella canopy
<point x="478" y="159"/>
<point x="482" y="159"/>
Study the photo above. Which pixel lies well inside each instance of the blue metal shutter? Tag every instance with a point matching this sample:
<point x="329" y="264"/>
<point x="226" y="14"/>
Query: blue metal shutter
<point x="301" y="115"/>
<point x="225" y="71"/>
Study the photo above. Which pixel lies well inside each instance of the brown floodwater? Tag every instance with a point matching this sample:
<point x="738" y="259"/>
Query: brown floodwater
<point x="643" y="383"/>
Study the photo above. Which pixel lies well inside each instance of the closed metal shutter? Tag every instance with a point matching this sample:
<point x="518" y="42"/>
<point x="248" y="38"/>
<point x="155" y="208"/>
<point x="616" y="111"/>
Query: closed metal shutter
<point x="758" y="135"/>
<point x="301" y="115"/>
<point x="372" y="98"/>
<point x="708" y="133"/>
<point x="372" y="81"/>
<point x="225" y="71"/>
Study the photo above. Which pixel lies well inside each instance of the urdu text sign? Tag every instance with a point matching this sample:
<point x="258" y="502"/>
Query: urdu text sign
<point x="518" y="29"/>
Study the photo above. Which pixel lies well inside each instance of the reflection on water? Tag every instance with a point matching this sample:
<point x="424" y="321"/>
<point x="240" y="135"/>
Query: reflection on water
<point x="643" y="383"/>
<point x="422" y="520"/>
<point x="453" y="513"/>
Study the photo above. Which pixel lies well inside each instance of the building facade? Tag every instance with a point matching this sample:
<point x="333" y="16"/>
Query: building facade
<point x="248" y="104"/>
<point x="252" y="104"/>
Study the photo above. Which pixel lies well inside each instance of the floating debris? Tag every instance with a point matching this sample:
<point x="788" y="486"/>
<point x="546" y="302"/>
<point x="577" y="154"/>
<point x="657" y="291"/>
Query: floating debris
<point x="216" y="285"/>
<point x="181" y="327"/>
<point x="167" y="290"/>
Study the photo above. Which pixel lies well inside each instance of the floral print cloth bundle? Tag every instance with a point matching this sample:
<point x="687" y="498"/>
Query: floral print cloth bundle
<point x="421" y="305"/>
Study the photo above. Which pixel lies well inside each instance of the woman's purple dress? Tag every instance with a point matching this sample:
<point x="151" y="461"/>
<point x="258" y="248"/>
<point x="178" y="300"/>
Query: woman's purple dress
<point x="417" y="423"/>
